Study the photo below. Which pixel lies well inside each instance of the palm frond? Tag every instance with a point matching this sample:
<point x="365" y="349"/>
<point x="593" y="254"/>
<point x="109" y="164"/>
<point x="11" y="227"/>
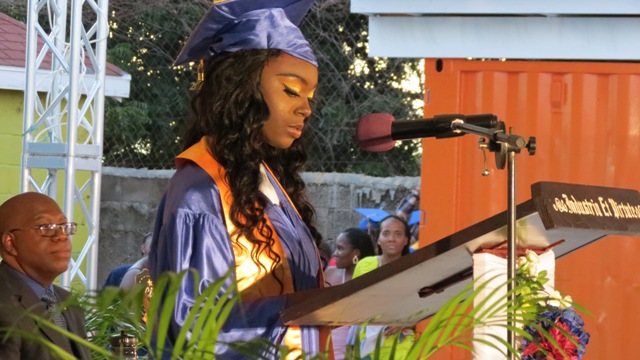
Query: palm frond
<point x="112" y="310"/>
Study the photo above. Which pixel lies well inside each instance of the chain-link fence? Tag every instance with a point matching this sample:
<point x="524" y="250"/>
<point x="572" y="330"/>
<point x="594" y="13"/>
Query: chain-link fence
<point x="352" y="85"/>
<point x="144" y="130"/>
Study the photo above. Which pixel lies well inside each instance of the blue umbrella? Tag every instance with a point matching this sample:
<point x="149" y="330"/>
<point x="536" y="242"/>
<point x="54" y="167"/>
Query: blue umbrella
<point x="371" y="217"/>
<point x="374" y="216"/>
<point x="415" y="217"/>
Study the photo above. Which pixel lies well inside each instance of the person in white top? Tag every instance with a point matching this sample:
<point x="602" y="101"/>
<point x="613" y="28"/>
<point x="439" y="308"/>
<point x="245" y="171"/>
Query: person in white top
<point x="352" y="245"/>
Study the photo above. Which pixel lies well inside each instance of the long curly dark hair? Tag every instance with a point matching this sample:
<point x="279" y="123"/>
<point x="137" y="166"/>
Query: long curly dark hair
<point x="230" y="110"/>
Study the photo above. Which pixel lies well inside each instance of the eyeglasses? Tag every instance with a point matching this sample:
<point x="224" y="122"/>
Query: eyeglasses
<point x="50" y="230"/>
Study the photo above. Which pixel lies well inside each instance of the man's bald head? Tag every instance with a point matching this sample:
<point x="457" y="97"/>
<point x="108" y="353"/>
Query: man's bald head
<point x="18" y="208"/>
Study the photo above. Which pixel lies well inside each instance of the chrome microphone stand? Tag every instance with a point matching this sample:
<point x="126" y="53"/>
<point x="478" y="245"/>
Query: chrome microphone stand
<point x="506" y="146"/>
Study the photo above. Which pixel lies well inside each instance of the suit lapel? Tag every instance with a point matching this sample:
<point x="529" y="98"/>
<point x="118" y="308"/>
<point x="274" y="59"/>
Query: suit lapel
<point x="31" y="303"/>
<point x="74" y="317"/>
<point x="75" y="323"/>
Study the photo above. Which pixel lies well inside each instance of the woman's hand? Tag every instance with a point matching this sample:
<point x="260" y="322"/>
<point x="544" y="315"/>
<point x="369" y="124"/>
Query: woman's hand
<point x="406" y="330"/>
<point x="390" y="330"/>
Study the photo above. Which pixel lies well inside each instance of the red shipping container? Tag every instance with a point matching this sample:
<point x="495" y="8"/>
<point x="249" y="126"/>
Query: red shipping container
<point x="586" y="118"/>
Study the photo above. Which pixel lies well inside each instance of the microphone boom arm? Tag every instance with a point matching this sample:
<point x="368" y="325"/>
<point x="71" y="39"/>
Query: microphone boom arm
<point x="498" y="135"/>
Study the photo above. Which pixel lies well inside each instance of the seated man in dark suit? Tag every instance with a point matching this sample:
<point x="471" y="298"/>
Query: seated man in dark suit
<point x="35" y="249"/>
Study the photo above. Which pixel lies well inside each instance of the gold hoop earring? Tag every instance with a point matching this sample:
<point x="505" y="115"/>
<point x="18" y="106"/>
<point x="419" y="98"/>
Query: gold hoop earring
<point x="355" y="259"/>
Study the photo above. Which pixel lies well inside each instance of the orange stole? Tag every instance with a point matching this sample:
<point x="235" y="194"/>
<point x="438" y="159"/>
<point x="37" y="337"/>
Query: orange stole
<point x="253" y="281"/>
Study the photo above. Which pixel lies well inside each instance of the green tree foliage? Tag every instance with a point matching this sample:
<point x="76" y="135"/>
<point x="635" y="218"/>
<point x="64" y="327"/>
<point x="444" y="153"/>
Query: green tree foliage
<point x="17" y="9"/>
<point x="143" y="131"/>
<point x="352" y="85"/>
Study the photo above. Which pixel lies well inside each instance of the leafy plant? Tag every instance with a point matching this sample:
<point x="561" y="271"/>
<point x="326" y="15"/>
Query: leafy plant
<point x="558" y="333"/>
<point x="113" y="310"/>
<point x="453" y="324"/>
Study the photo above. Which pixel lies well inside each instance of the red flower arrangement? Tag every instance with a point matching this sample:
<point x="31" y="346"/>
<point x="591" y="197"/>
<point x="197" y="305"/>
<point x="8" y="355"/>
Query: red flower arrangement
<point x="559" y="333"/>
<point x="565" y="327"/>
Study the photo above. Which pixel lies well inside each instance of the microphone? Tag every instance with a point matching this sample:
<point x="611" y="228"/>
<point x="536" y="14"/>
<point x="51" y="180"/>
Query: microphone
<point x="378" y="132"/>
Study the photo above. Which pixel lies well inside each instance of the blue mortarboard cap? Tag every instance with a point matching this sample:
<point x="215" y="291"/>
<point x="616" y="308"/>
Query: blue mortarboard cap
<point x="234" y="25"/>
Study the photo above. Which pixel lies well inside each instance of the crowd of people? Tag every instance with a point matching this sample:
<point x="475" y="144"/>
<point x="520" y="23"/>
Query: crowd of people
<point x="235" y="205"/>
<point x="355" y="256"/>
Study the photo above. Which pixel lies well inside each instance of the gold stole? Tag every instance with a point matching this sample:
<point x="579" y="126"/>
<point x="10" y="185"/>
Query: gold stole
<point x="253" y="281"/>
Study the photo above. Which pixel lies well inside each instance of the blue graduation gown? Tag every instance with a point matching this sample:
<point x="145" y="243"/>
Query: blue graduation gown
<point x="190" y="233"/>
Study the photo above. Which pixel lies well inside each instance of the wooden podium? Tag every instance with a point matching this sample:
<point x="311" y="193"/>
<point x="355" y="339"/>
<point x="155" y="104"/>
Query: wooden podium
<point x="414" y="287"/>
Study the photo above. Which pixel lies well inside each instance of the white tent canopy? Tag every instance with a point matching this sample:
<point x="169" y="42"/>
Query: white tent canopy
<point x="526" y="29"/>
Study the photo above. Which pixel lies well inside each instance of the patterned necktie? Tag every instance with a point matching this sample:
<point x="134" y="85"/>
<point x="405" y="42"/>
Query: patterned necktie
<point x="52" y="306"/>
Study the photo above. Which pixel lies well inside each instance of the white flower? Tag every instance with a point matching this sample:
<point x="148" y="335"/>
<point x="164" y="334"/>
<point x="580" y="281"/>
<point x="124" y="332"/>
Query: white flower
<point x="529" y="264"/>
<point x="532" y="269"/>
<point x="532" y="256"/>
<point x="566" y="302"/>
<point x="556" y="299"/>
<point x="522" y="260"/>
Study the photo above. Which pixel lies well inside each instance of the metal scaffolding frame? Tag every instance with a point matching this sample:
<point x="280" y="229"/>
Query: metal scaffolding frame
<point x="63" y="128"/>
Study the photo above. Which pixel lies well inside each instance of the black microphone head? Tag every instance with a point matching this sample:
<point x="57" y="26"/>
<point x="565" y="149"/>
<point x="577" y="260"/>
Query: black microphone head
<point x="373" y="132"/>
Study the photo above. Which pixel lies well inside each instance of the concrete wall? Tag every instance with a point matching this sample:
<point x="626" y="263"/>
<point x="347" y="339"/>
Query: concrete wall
<point x="130" y="197"/>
